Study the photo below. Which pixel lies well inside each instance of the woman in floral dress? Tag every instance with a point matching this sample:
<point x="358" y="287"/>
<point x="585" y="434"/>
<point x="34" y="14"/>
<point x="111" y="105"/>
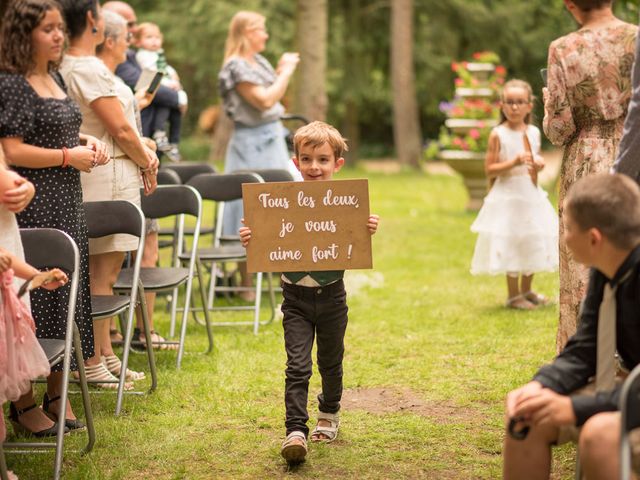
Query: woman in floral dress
<point x="586" y="102"/>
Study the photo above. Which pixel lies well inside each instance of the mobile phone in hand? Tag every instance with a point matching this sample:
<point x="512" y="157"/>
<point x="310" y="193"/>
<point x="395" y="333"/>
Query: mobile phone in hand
<point x="543" y="74"/>
<point x="155" y="83"/>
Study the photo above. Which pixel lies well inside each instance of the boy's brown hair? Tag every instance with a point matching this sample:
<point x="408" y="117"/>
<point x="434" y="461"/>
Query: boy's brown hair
<point x="609" y="203"/>
<point x="317" y="133"/>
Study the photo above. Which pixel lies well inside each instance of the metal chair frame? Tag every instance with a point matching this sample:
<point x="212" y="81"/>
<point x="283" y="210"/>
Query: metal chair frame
<point x="117" y="217"/>
<point x="221" y="188"/>
<point x="173" y="200"/>
<point x="629" y="419"/>
<point x="62" y="252"/>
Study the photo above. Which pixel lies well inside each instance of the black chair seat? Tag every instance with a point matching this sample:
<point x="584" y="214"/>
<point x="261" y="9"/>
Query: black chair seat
<point x="165" y="243"/>
<point x="226" y="252"/>
<point x="153" y="279"/>
<point x="53" y="349"/>
<point x="103" y="306"/>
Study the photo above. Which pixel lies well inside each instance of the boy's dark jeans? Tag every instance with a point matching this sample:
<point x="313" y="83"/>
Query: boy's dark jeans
<point x="311" y="311"/>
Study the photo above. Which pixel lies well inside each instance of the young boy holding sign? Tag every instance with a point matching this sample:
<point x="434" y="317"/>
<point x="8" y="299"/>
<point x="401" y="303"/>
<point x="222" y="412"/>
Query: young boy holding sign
<point x="314" y="305"/>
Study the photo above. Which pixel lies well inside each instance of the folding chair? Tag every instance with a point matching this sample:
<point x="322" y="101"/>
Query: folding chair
<point x="274" y="175"/>
<point x="630" y="419"/>
<point x="167" y="176"/>
<point x="222" y="188"/>
<point x="186" y="171"/>
<point x="61" y="252"/>
<point x="166" y="201"/>
<point x="109" y="218"/>
<point x="183" y="172"/>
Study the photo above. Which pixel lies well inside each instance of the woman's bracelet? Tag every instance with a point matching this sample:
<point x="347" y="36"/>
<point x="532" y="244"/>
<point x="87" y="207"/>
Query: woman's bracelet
<point x="65" y="157"/>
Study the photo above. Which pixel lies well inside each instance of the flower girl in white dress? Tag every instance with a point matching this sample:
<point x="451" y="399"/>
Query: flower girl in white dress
<point x="517" y="226"/>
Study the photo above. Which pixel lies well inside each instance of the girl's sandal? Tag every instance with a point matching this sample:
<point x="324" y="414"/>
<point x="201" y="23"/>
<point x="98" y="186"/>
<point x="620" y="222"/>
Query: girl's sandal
<point x="114" y="365"/>
<point x="329" y="433"/>
<point x="99" y="373"/>
<point x="519" y="302"/>
<point x="294" y="447"/>
<point x="536" y="298"/>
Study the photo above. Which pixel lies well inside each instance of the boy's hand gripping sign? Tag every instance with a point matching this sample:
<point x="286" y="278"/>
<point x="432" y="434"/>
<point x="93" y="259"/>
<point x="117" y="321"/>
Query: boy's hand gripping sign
<point x="307" y="226"/>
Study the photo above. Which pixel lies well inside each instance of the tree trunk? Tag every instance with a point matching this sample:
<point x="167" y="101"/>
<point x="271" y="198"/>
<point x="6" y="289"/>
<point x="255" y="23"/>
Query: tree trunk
<point x="352" y="86"/>
<point x="406" y="122"/>
<point x="221" y="136"/>
<point x="311" y="40"/>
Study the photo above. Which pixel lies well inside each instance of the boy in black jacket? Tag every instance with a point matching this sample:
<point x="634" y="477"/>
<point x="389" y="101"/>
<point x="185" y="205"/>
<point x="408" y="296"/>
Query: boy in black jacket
<point x="602" y="230"/>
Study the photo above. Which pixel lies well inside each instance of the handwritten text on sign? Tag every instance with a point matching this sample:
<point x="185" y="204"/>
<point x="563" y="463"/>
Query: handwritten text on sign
<point x="307" y="226"/>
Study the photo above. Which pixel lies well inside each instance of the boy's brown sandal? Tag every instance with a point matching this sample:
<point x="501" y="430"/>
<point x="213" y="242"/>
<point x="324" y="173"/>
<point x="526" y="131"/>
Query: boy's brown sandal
<point x="294" y="447"/>
<point x="330" y="432"/>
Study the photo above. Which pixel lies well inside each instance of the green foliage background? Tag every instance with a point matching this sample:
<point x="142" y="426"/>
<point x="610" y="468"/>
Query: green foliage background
<point x="358" y="48"/>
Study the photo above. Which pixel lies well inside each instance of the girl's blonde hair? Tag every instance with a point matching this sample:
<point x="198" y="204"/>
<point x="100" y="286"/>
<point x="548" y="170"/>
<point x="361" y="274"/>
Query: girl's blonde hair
<point x="516" y="83"/>
<point x="144" y="26"/>
<point x="237" y="42"/>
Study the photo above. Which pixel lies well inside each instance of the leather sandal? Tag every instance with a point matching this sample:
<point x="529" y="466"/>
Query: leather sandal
<point x="14" y="415"/>
<point x="96" y="374"/>
<point x="330" y="432"/>
<point x="294" y="447"/>
<point x="71" y="424"/>
<point x="157" y="341"/>
<point x="537" y="299"/>
<point x="519" y="303"/>
<point x="114" y="365"/>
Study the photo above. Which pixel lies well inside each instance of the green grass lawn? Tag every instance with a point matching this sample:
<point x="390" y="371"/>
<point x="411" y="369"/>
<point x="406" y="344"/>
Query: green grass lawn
<point x="431" y="353"/>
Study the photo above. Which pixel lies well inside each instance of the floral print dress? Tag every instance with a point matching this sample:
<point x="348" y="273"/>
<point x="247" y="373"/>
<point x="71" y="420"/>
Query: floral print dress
<point x="589" y="81"/>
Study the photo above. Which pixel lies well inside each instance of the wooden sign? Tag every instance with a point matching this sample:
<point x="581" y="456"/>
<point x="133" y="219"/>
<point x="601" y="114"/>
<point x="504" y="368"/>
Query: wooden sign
<point x="307" y="226"/>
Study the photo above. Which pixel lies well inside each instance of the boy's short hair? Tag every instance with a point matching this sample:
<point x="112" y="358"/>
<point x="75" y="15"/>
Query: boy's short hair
<point x="610" y="203"/>
<point x="315" y="134"/>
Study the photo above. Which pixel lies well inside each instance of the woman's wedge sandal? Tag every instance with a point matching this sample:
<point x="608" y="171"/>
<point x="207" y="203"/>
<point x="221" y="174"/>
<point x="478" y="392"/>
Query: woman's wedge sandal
<point x="294" y="447"/>
<point x="96" y="374"/>
<point x="15" y="413"/>
<point x="114" y="365"/>
<point x="331" y="432"/>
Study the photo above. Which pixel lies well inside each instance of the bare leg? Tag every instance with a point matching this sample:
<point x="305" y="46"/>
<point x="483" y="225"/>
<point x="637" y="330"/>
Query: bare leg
<point x="526" y="283"/>
<point x="149" y="260"/>
<point x="54" y="387"/>
<point x="103" y="269"/>
<point x="529" y="458"/>
<point x="599" y="445"/>
<point x="247" y="281"/>
<point x="512" y="286"/>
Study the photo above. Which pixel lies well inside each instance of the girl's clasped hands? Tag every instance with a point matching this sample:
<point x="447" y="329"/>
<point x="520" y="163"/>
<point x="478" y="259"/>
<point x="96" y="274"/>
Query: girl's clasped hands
<point x="532" y="162"/>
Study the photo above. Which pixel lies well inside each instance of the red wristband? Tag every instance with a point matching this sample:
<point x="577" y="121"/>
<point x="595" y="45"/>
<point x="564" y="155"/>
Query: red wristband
<point x="65" y="157"/>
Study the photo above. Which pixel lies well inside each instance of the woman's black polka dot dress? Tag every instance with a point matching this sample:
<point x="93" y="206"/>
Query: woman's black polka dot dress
<point x="51" y="123"/>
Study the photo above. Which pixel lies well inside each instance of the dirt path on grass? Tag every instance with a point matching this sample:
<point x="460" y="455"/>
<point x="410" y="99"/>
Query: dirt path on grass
<point x="384" y="400"/>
